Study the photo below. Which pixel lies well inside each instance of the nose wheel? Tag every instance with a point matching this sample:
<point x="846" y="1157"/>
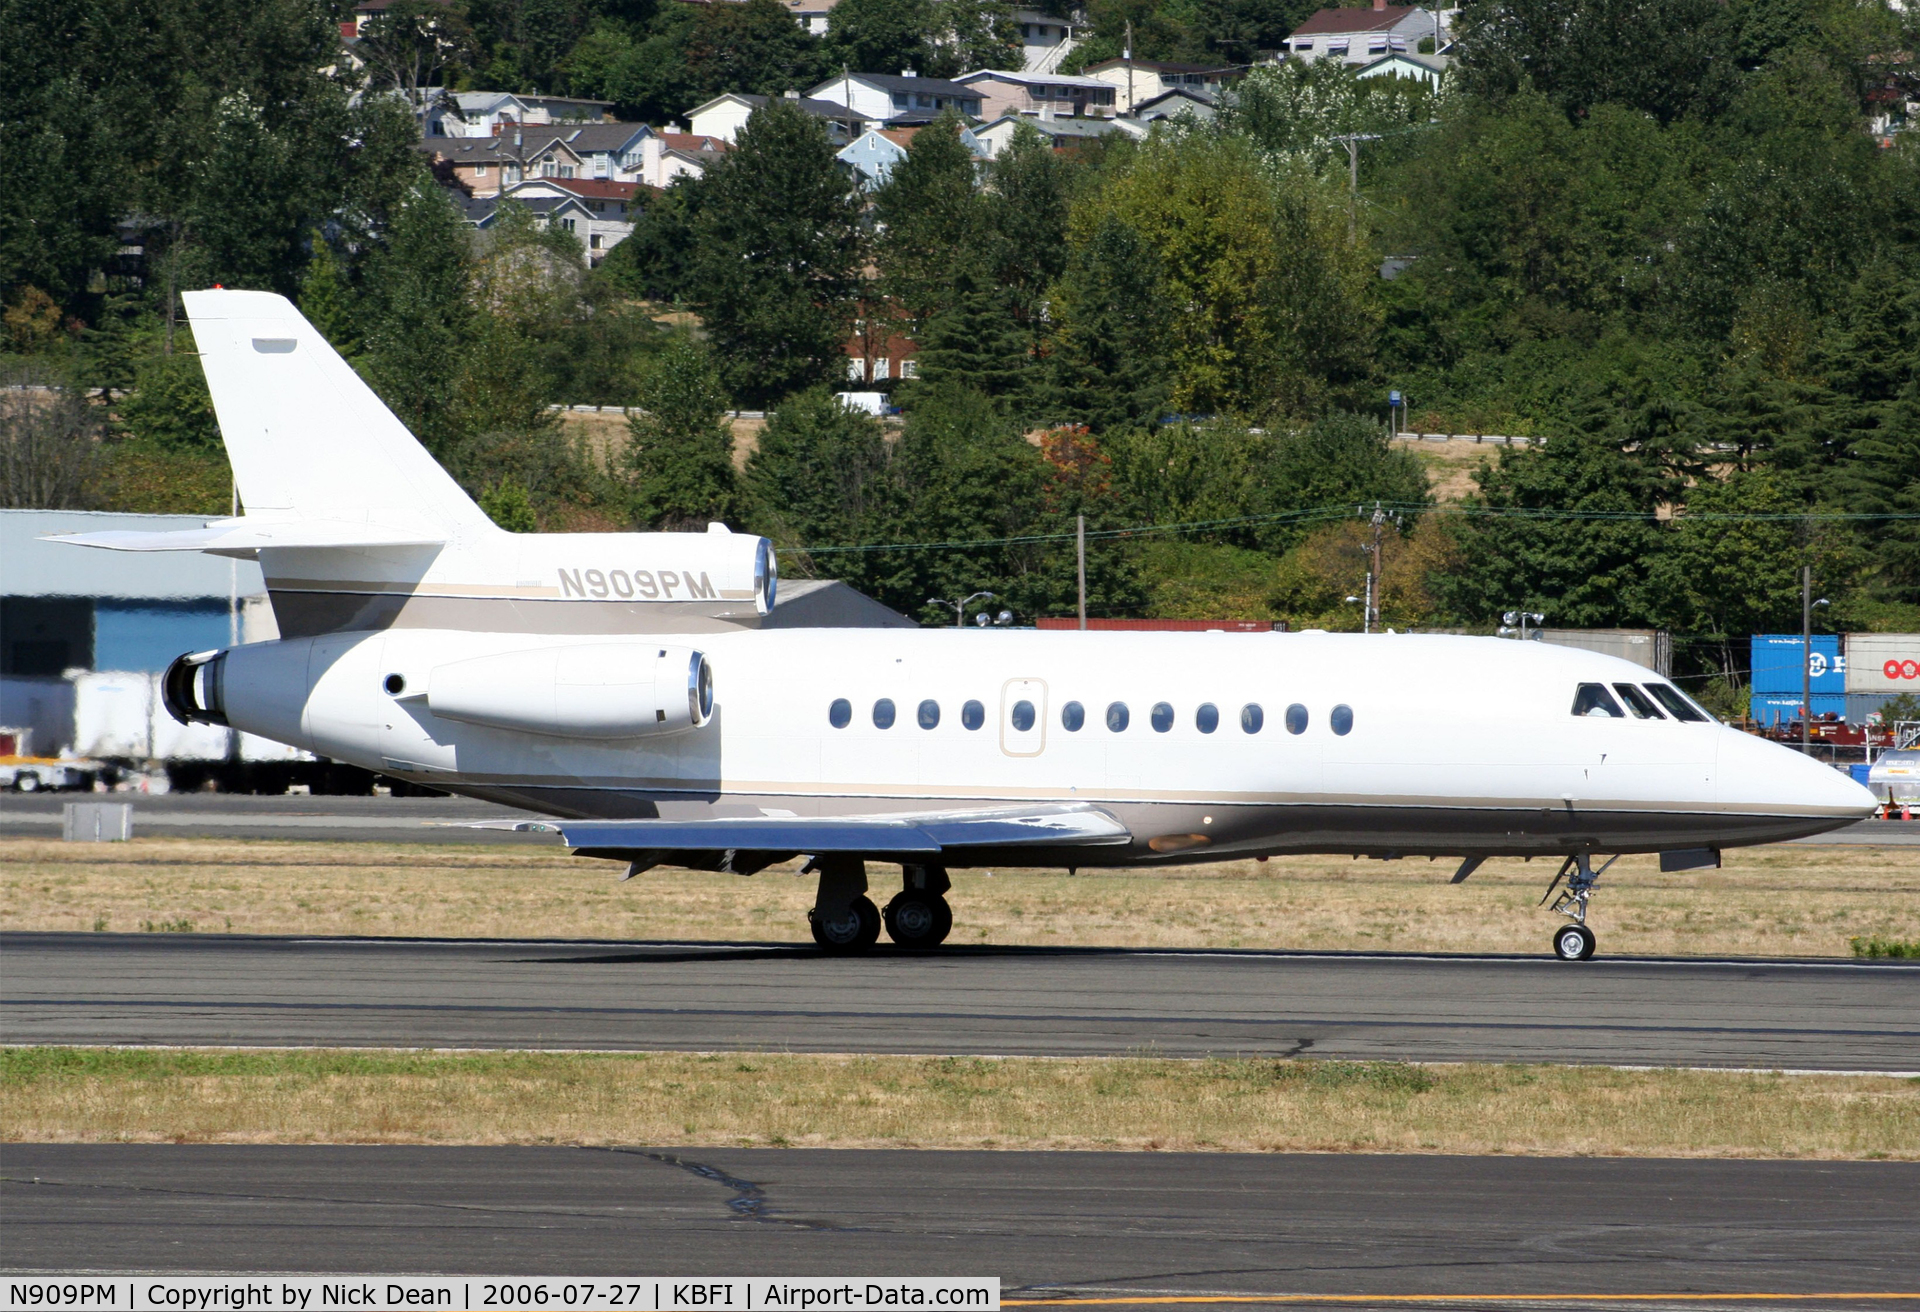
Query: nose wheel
<point x="1575" y="942"/>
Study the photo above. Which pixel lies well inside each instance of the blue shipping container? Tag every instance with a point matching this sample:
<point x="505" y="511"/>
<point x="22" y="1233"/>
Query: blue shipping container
<point x="1776" y="663"/>
<point x="1781" y="708"/>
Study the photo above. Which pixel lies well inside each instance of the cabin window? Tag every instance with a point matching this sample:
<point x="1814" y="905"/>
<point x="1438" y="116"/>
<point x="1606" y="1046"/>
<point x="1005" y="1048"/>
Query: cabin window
<point x="1252" y="718"/>
<point x="1594" y="699"/>
<point x="1022" y="716"/>
<point x="1676" y="702"/>
<point x="1341" y="720"/>
<point x="840" y="714"/>
<point x="1117" y="717"/>
<point x="929" y="714"/>
<point x="1162" y="716"/>
<point x="1296" y="718"/>
<point x="1207" y="718"/>
<point x="1072" y="716"/>
<point x="1638" y="702"/>
<point x="883" y="713"/>
<point x="973" y="715"/>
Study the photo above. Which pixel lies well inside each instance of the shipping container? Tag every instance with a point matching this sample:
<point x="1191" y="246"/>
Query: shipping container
<point x="1777" y="663"/>
<point x="1651" y="648"/>
<point x="1771" y="709"/>
<point x="1883" y="662"/>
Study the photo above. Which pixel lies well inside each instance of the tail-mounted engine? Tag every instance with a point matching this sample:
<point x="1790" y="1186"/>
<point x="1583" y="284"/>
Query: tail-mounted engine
<point x="606" y="690"/>
<point x="192" y="688"/>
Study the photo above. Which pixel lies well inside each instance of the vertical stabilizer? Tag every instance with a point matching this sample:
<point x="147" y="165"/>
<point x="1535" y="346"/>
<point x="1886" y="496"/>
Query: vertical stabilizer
<point x="307" y="437"/>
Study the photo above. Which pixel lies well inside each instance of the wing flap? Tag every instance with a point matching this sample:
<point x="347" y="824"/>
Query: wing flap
<point x="924" y="835"/>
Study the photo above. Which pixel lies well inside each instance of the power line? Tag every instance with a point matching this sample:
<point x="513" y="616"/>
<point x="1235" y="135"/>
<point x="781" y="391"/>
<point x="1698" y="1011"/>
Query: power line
<point x="1321" y="513"/>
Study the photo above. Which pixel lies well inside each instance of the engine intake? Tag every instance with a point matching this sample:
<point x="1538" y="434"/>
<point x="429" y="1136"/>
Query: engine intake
<point x="607" y="690"/>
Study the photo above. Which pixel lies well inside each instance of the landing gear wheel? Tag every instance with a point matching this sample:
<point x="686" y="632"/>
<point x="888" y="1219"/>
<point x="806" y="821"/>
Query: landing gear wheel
<point x="854" y="930"/>
<point x="1573" y="943"/>
<point x="918" y="920"/>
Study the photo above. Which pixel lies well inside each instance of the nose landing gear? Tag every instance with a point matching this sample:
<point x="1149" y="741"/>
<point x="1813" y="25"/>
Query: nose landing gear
<point x="1575" y="942"/>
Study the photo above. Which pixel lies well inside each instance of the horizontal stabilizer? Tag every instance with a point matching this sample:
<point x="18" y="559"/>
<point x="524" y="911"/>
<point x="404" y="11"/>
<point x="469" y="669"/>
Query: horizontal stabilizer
<point x="924" y="835"/>
<point x="246" y="535"/>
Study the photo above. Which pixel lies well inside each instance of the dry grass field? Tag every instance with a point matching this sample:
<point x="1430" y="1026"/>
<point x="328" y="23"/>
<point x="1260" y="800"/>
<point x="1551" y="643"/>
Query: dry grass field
<point x="758" y="1099"/>
<point x="1780" y="901"/>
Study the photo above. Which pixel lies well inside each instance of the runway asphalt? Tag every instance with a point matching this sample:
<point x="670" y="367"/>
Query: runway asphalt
<point x="264" y="991"/>
<point x="441" y="819"/>
<point x="1092" y="1224"/>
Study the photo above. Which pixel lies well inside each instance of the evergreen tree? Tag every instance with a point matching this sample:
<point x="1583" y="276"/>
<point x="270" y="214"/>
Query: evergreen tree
<point x="327" y="299"/>
<point x="1341" y="459"/>
<point x="930" y="225"/>
<point x="1108" y="360"/>
<point x="819" y="476"/>
<point x="778" y="254"/>
<point x="976" y="344"/>
<point x="681" y="445"/>
<point x="508" y="505"/>
<point x="417" y="317"/>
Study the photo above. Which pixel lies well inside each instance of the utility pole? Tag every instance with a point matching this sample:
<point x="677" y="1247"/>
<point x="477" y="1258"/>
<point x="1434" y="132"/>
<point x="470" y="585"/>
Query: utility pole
<point x="1806" y="658"/>
<point x="1352" y="142"/>
<point x="1080" y="547"/>
<point x="1129" y="53"/>
<point x="1373" y="574"/>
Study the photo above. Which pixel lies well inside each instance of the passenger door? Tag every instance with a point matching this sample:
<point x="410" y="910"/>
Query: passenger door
<point x="1023" y="717"/>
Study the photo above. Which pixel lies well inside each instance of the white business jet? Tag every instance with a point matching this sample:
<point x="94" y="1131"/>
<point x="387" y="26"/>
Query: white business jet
<point x="622" y="683"/>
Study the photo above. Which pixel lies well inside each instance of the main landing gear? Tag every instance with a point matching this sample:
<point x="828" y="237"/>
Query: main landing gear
<point x="845" y="921"/>
<point x="1575" y="942"/>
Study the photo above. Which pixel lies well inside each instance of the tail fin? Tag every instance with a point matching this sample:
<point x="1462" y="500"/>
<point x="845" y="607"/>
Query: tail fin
<point x="307" y="437"/>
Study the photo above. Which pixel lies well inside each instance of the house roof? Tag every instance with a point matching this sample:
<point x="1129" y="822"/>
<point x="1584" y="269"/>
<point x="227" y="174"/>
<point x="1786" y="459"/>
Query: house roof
<point x="1340" y="22"/>
<point x="534" y="144"/>
<point x="693" y="143"/>
<point x="807" y="104"/>
<point x="1167" y="103"/>
<point x="1033" y="79"/>
<point x="595" y="188"/>
<point x="891" y="82"/>
<point x="1058" y="127"/>
<point x="1164" y="66"/>
<point x="1431" y="63"/>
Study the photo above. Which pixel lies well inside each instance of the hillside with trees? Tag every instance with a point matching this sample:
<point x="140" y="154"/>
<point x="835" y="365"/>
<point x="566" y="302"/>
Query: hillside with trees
<point x="1660" y="237"/>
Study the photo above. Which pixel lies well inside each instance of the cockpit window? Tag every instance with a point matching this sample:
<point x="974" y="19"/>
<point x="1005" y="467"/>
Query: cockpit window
<point x="1676" y="702"/>
<point x="1594" y="699"/>
<point x="1638" y="702"/>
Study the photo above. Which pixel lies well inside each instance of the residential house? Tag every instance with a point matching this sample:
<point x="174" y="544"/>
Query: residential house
<point x="1029" y="93"/>
<point x="878" y="354"/>
<point x="549" y="211"/>
<point x="482" y="113"/>
<point x="485" y="165"/>
<point x="724" y="116"/>
<point x="1172" y="104"/>
<point x="365" y="12"/>
<point x="1045" y="40"/>
<point x="811" y="14"/>
<point x="1427" y="68"/>
<point x="1361" y="36"/>
<point x="1140" y="80"/>
<point x="603" y="218"/>
<point x="669" y="155"/>
<point x="873" y="154"/>
<point x="883" y="98"/>
<point x="1063" y="132"/>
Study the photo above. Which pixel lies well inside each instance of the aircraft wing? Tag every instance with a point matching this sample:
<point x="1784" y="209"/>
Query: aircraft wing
<point x="749" y="842"/>
<point x="247" y="535"/>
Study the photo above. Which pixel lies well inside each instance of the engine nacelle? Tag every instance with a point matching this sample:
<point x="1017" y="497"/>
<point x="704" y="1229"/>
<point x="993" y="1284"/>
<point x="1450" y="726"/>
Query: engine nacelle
<point x="603" y="690"/>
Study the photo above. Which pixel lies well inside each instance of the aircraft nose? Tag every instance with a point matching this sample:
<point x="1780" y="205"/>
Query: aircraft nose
<point x="1753" y="772"/>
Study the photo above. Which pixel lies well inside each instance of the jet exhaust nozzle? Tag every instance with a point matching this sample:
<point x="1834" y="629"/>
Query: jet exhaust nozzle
<point x="193" y="688"/>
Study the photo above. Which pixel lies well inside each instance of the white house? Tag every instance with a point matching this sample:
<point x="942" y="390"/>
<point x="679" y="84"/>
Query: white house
<point x="1062" y="132"/>
<point x="1361" y="36"/>
<point x="1029" y="93"/>
<point x="1138" y="81"/>
<point x="1044" y="40"/>
<point x="887" y="98"/>
<point x="874" y="152"/>
<point x="669" y="155"/>
<point x="724" y="116"/>
<point x="601" y="215"/>
<point x="811" y="14"/>
<point x="481" y="113"/>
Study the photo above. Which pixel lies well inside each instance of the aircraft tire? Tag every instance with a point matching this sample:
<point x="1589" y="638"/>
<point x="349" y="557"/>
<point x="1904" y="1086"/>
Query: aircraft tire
<point x="856" y="932"/>
<point x="1573" y="943"/>
<point x="918" y="920"/>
